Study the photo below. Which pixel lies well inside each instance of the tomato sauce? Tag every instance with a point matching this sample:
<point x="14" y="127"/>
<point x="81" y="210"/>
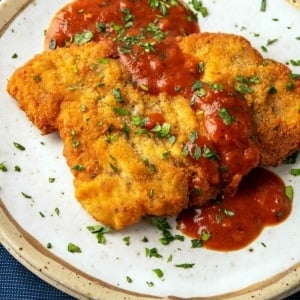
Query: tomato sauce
<point x="233" y="222"/>
<point x="118" y="19"/>
<point x="144" y="38"/>
<point x="226" y="122"/>
<point x="143" y="35"/>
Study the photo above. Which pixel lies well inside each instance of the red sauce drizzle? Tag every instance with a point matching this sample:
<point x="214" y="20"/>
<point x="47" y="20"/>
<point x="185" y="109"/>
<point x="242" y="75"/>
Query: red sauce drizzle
<point x="144" y="38"/>
<point x="234" y="222"/>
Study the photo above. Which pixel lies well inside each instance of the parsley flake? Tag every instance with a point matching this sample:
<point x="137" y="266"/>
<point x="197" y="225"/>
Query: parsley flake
<point x="83" y="37"/>
<point x="73" y="248"/>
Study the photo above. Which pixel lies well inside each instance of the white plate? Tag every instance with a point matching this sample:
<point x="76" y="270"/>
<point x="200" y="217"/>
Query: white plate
<point x="267" y="268"/>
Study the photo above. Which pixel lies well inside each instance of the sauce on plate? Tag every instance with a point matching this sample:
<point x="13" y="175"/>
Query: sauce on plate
<point x="233" y="222"/>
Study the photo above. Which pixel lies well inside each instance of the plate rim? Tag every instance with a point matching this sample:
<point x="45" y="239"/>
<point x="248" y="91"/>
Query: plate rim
<point x="50" y="268"/>
<point x="37" y="259"/>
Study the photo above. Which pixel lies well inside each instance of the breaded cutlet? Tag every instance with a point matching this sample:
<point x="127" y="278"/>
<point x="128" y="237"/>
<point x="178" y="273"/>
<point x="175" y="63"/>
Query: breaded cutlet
<point x="122" y="170"/>
<point x="268" y="86"/>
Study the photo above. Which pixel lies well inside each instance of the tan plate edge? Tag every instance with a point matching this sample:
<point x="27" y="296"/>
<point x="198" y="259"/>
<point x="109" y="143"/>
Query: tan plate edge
<point x="50" y="268"/>
<point x="11" y="8"/>
<point x="76" y="283"/>
<point x="40" y="261"/>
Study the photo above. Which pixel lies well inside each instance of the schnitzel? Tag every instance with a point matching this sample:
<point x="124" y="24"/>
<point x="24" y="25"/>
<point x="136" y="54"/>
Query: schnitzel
<point x="272" y="94"/>
<point x="133" y="153"/>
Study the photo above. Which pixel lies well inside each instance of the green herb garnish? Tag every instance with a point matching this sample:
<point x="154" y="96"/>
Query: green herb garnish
<point x="19" y="146"/>
<point x="26" y="195"/>
<point x="291" y="159"/>
<point x="263" y="5"/>
<point x="153" y="252"/>
<point x="83" y="37"/>
<point x="78" y="168"/>
<point x="289" y="192"/>
<point x="198" y="6"/>
<point x="3" y="167"/>
<point x="100" y="232"/>
<point x="17" y="168"/>
<point x="118" y="95"/>
<point x="226" y="117"/>
<point x="159" y="273"/>
<point x="185" y="266"/>
<point x="295" y="172"/>
<point x="126" y="240"/>
<point x="73" y="248"/>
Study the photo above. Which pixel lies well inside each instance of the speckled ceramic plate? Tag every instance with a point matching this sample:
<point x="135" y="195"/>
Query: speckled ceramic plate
<point x="36" y="211"/>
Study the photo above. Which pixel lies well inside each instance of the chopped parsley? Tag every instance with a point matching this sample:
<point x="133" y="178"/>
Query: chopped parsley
<point x="150" y="283"/>
<point x="155" y="31"/>
<point x="26" y="195"/>
<point x="205" y="235"/>
<point x="73" y="248"/>
<point x="263" y="5"/>
<point x="294" y="76"/>
<point x="162" y="5"/>
<point x="272" y="90"/>
<point x="228" y="212"/>
<point x="216" y="86"/>
<point x="83" y="37"/>
<point x="121" y="111"/>
<point x="3" y="166"/>
<point x="19" y="146"/>
<point x="290" y="86"/>
<point x="295" y="63"/>
<point x="153" y="252"/>
<point x="100" y="232"/>
<point x="185" y="266"/>
<point x="243" y="84"/>
<point x="226" y="117"/>
<point x="291" y="159"/>
<point x="114" y="167"/>
<point x="271" y="42"/>
<point x="166" y="155"/>
<point x="196" y="243"/>
<point x="201" y="67"/>
<point x="17" y="168"/>
<point x="118" y="95"/>
<point x="152" y="168"/>
<point x="163" y="225"/>
<point x="78" y="168"/>
<point x="295" y="172"/>
<point x="161" y="130"/>
<point x="52" y="44"/>
<point x="209" y="153"/>
<point x="198" y="6"/>
<point x="126" y="240"/>
<point x="159" y="273"/>
<point x="289" y="192"/>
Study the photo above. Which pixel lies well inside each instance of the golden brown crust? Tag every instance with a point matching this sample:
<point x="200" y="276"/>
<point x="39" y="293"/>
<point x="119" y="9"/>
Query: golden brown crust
<point x="276" y="115"/>
<point x="120" y="173"/>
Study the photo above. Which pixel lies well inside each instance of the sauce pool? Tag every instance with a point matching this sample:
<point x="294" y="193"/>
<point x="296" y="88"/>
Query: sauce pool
<point x="234" y="222"/>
